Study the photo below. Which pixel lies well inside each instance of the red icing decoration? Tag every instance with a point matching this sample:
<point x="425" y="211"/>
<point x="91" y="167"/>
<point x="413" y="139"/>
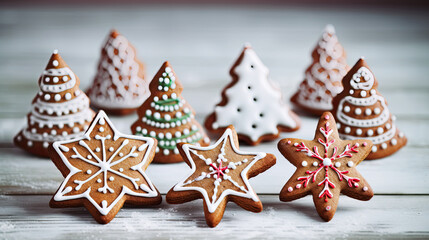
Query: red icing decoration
<point x="348" y="152"/>
<point x="219" y="170"/>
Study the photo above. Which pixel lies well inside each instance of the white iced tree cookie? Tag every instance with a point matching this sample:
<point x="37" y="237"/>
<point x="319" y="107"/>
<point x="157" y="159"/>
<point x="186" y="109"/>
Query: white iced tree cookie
<point x="323" y="77"/>
<point x="252" y="103"/>
<point x="59" y="111"/>
<point x="361" y="112"/>
<point x="119" y="86"/>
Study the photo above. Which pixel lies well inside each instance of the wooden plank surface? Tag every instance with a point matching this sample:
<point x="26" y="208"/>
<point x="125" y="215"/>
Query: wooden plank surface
<point x="201" y="43"/>
<point x="23" y="216"/>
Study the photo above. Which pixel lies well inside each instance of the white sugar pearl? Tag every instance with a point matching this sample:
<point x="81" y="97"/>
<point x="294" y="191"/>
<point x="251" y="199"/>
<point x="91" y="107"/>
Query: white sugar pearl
<point x="358" y="111"/>
<point x="347" y="130"/>
<point x="47" y="97"/>
<point x="55" y="63"/>
<point x="383" y="145"/>
<point x="363" y="93"/>
<point x="377" y="110"/>
<point x="346" y="109"/>
<point x="380" y="130"/>
<point x="57" y="97"/>
<point x="337" y="164"/>
<point x="68" y="96"/>
<point x="368" y="111"/>
<point x="304" y="163"/>
<point x="351" y="91"/>
<point x="370" y="132"/>
<point x="350" y="164"/>
<point x="358" y="131"/>
<point x="55" y="79"/>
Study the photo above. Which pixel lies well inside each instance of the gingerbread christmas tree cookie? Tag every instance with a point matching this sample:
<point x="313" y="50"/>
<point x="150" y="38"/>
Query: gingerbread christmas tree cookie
<point x="166" y="116"/>
<point x="252" y="104"/>
<point x="59" y="111"/>
<point x="323" y="77"/>
<point x="362" y="112"/>
<point x="119" y="86"/>
<point x="326" y="167"/>
<point x="103" y="170"/>
<point x="220" y="173"/>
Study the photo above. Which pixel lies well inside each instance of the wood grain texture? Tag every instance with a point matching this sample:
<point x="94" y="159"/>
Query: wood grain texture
<point x="201" y="43"/>
<point x="23" y="216"/>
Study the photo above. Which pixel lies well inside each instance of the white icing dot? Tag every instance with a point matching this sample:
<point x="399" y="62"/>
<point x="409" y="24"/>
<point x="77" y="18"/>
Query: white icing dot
<point x="365" y="188"/>
<point x="363" y="93"/>
<point x="351" y="91"/>
<point x="99" y="180"/>
<point x="328" y="208"/>
<point x="53" y="132"/>
<point x="55" y="63"/>
<point x="373" y="92"/>
<point x="401" y="134"/>
<point x="338" y="125"/>
<point x="152" y="134"/>
<point x="358" y="131"/>
<point x="57" y="97"/>
<point x="121" y="154"/>
<point x="358" y="111"/>
<point x="380" y="130"/>
<point x="101" y="121"/>
<point x="315" y="164"/>
<point x="120" y="169"/>
<point x="347" y="130"/>
<point x="383" y="145"/>
<point x="47" y="97"/>
<point x="55" y="79"/>
<point x="394" y="142"/>
<point x="370" y="132"/>
<point x="160" y="88"/>
<point x="374" y="149"/>
<point x="337" y="164"/>
<point x="47" y="79"/>
<point x="45" y="145"/>
<point x="157" y="115"/>
<point x="377" y="110"/>
<point x="167" y="117"/>
<point x="304" y="163"/>
<point x="68" y="96"/>
<point x="76" y="129"/>
<point x="289" y="189"/>
<point x="97" y="149"/>
<point x="101" y="129"/>
<point x="388" y="126"/>
<point x="148" y="112"/>
<point x="65" y="78"/>
<point x="166" y="152"/>
<point x="111" y="149"/>
<point x="111" y="178"/>
<point x="368" y="111"/>
<point x="346" y="109"/>
<point x="168" y="135"/>
<point x="89" y="156"/>
<point x="30" y="143"/>
<point x="89" y="171"/>
<point x="349" y="164"/>
<point x="77" y="92"/>
<point x="164" y="96"/>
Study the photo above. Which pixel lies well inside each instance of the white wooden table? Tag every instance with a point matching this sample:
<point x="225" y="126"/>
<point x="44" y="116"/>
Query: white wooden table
<point x="201" y="43"/>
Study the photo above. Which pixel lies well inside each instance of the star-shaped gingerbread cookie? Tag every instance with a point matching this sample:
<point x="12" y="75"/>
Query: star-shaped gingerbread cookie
<point x="326" y="167"/>
<point x="103" y="170"/>
<point x="220" y="173"/>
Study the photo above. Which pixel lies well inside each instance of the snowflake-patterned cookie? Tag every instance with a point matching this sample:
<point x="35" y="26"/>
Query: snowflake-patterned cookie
<point x="220" y="173"/>
<point x="326" y="167"/>
<point x="103" y="170"/>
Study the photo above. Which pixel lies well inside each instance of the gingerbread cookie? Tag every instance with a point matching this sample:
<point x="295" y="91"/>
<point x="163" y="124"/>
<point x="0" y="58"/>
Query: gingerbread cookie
<point x="326" y="167"/>
<point x="60" y="110"/>
<point x="119" y="86"/>
<point x="323" y="77"/>
<point x="220" y="173"/>
<point x="252" y="104"/>
<point x="166" y="116"/>
<point x="103" y="170"/>
<point x="362" y="112"/>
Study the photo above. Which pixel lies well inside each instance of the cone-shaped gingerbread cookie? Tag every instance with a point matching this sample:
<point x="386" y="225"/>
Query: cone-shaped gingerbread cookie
<point x="362" y="112"/>
<point x="166" y="116"/>
<point x="252" y="104"/>
<point x="119" y="86"/>
<point x="60" y="110"/>
<point x="323" y="77"/>
<point x="326" y="167"/>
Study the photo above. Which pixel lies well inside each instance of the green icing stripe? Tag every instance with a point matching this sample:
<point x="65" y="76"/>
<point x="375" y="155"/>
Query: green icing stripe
<point x="162" y="120"/>
<point x="191" y="133"/>
<point x="168" y="102"/>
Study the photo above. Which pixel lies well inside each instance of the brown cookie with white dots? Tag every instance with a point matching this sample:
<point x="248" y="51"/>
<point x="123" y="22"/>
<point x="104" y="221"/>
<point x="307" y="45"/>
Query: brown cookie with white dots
<point x="326" y="167"/>
<point x="60" y="110"/>
<point x="361" y="112"/>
